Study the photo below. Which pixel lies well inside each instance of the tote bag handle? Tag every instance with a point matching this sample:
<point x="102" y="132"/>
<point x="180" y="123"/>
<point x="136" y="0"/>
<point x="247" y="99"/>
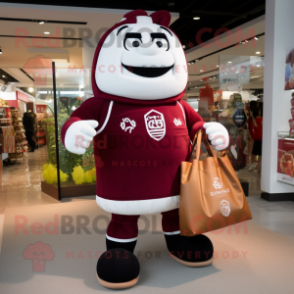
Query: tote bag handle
<point x="197" y="140"/>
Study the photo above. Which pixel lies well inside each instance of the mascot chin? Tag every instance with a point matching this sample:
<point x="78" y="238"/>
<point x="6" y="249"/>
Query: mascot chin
<point x="142" y="130"/>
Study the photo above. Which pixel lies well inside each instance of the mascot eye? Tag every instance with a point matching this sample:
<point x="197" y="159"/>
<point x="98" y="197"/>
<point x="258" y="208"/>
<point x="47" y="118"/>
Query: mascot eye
<point x="160" y="40"/>
<point x="159" y="44"/>
<point x="136" y="44"/>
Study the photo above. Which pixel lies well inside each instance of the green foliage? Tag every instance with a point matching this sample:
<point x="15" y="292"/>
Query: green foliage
<point x="78" y="175"/>
<point x="50" y="139"/>
<point x="50" y="174"/>
<point x="67" y="160"/>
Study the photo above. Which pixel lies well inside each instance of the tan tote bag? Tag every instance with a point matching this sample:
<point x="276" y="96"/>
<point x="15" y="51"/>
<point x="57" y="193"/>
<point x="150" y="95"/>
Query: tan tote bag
<point x="211" y="195"/>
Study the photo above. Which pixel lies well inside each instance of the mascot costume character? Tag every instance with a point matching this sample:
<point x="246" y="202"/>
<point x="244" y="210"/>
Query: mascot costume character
<point x="139" y="124"/>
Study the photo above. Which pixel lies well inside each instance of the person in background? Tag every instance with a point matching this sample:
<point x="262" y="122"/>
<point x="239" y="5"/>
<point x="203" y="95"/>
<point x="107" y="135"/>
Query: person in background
<point x="253" y="106"/>
<point x="257" y="131"/>
<point x="28" y="123"/>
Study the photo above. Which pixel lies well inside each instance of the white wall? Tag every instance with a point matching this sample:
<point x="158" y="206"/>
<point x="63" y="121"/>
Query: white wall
<point x="278" y="39"/>
<point x="8" y="95"/>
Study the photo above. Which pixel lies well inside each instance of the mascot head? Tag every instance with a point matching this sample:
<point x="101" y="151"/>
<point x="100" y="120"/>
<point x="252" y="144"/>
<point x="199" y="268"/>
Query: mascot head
<point x="140" y="59"/>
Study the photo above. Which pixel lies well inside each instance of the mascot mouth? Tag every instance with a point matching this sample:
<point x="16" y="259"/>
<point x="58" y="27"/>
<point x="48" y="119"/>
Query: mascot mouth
<point x="148" y="72"/>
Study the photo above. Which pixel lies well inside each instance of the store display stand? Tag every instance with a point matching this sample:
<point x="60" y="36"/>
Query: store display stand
<point x="21" y="144"/>
<point x="274" y="197"/>
<point x="285" y="167"/>
<point x="68" y="191"/>
<point x="7" y="132"/>
<point x="40" y="130"/>
<point x="245" y="187"/>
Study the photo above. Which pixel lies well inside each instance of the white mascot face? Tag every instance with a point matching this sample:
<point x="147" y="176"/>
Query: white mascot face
<point x="142" y="61"/>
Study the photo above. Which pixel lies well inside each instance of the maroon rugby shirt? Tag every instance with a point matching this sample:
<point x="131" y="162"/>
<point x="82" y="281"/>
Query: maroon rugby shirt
<point x="139" y="147"/>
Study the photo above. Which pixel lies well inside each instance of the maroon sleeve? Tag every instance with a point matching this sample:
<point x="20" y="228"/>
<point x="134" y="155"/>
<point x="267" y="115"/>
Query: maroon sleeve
<point x="193" y="119"/>
<point x="92" y="108"/>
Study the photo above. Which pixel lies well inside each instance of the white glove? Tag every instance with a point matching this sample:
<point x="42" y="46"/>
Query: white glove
<point x="217" y="134"/>
<point x="79" y="136"/>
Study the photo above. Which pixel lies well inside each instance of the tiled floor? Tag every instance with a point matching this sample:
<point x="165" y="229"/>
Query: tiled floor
<point x="20" y="186"/>
<point x="21" y="183"/>
<point x="251" y="260"/>
<point x="20" y="193"/>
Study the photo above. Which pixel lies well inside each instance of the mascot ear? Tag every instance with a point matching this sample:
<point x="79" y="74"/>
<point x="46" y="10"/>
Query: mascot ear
<point x="161" y="17"/>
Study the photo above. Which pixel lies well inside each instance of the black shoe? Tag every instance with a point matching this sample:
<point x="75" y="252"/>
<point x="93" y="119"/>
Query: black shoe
<point x="190" y="251"/>
<point x="118" y="268"/>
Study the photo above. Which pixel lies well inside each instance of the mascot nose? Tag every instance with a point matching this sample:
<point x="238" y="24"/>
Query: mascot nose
<point x="148" y="49"/>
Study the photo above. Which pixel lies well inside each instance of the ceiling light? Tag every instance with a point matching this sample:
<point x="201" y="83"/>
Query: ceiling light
<point x="257" y="52"/>
<point x="217" y="65"/>
<point x="229" y="61"/>
<point x="256" y="38"/>
<point x="3" y="76"/>
<point x="201" y="70"/>
<point x="41" y="22"/>
<point x="31" y="90"/>
<point x="196" y="17"/>
<point x="189" y="63"/>
<point x="196" y="87"/>
<point x="184" y="46"/>
<point x="246" y="41"/>
<point x="197" y="60"/>
<point x="47" y="33"/>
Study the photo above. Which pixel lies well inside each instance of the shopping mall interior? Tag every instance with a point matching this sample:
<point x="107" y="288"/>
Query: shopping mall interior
<point x="237" y="60"/>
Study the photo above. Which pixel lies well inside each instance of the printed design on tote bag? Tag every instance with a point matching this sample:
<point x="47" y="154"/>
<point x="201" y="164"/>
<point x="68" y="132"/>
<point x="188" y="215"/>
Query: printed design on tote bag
<point x="217" y="184"/>
<point x="225" y="208"/>
<point x="127" y="124"/>
<point x="155" y="124"/>
<point x="177" y="122"/>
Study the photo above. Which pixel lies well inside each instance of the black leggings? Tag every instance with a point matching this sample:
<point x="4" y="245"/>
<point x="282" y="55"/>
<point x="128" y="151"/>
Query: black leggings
<point x="30" y="140"/>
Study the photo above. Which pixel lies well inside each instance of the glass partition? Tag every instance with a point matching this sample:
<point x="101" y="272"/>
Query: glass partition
<point x="77" y="172"/>
<point x="45" y="130"/>
<point x="240" y="87"/>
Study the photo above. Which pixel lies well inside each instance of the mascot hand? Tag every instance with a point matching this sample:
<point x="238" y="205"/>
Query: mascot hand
<point x="79" y="136"/>
<point x="217" y="134"/>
